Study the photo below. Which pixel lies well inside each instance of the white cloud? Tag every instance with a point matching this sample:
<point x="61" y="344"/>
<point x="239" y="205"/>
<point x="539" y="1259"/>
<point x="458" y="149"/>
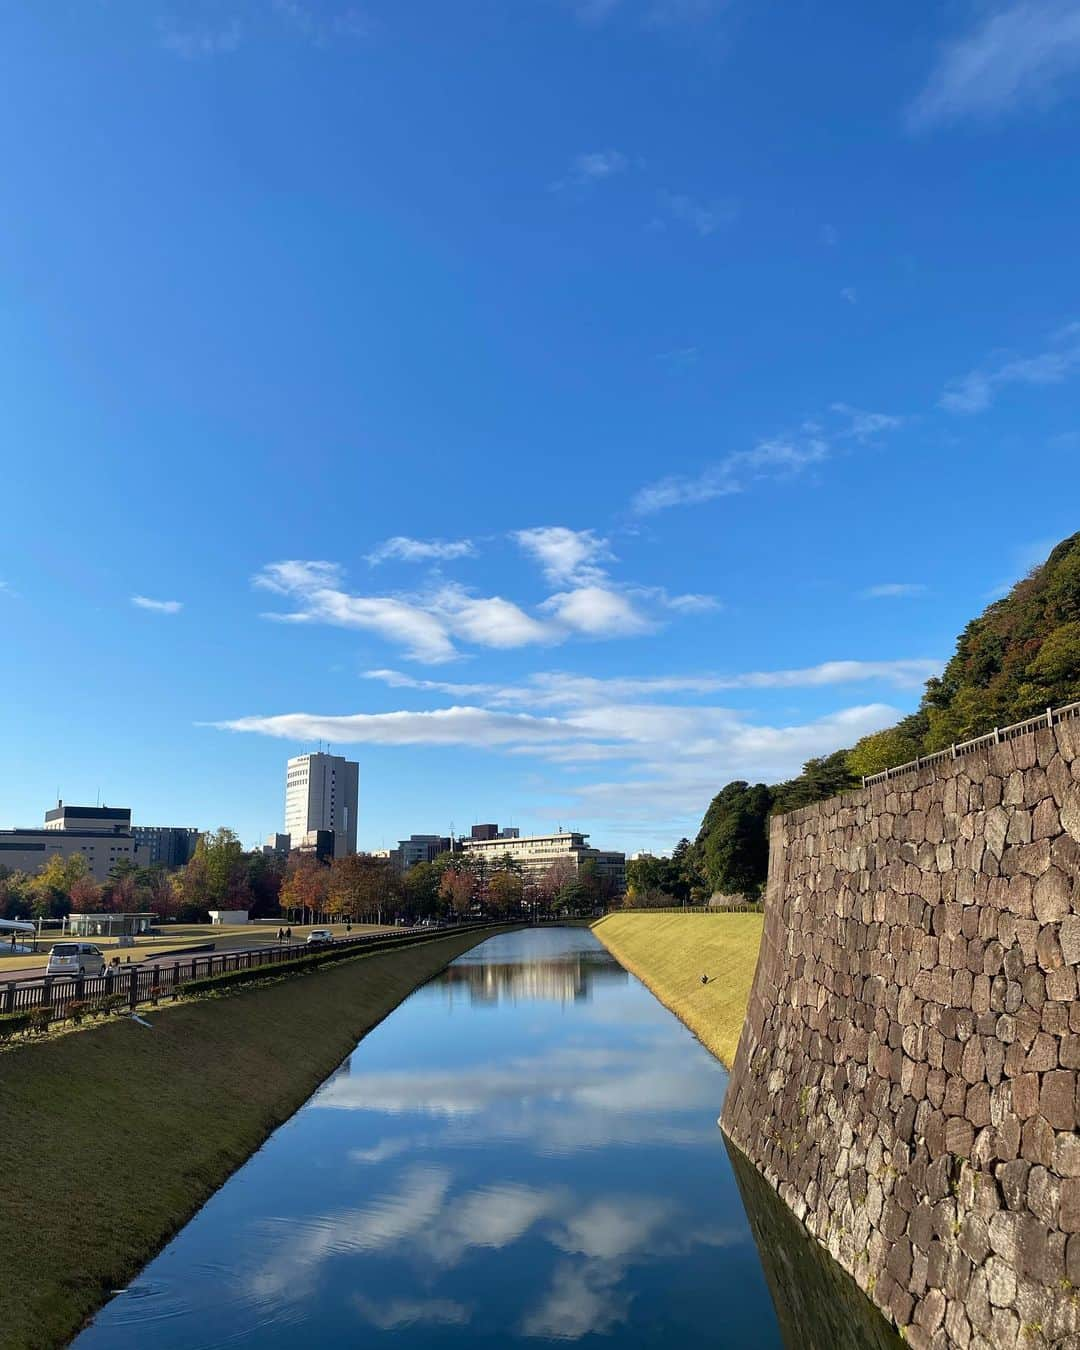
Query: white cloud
<point x="704" y="218"/>
<point x="566" y="555"/>
<point x="975" y="391"/>
<point x="1016" y="55"/>
<point x="403" y="549"/>
<point x="598" y="612"/>
<point x="894" y="590"/>
<point x="480" y="727"/>
<point x="491" y="622"/>
<point x="428" y="624"/>
<point x="157" y="606"/>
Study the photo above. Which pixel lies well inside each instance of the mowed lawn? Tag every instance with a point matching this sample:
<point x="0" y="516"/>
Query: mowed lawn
<point x="111" y="1136"/>
<point x="670" y="952"/>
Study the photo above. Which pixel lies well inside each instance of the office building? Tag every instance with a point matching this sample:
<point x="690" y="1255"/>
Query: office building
<point x="322" y="793"/>
<point x="102" y="834"/>
<point x="418" y="848"/>
<point x="536" y="853"/>
<point x="167" y="845"/>
<point x="278" y="844"/>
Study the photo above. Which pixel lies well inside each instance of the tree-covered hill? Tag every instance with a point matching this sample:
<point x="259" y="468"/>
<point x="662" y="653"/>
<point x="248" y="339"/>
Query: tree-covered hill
<point x="1020" y="656"/>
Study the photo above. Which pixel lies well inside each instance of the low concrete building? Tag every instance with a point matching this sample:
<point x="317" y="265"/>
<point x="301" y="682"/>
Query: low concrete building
<point x="228" y="916"/>
<point x="102" y="834"/>
<point x="536" y="853"/>
<point x="110" y="925"/>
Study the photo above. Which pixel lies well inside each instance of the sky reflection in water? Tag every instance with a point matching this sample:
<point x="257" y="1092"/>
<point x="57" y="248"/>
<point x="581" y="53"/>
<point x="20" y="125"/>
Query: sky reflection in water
<point x="525" y="1151"/>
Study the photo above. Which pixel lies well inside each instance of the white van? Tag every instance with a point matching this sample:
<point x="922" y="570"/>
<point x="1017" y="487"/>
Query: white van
<point x="75" y="958"/>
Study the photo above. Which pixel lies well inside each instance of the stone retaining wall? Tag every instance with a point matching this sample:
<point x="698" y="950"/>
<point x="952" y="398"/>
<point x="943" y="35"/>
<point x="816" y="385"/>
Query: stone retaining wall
<point x="907" y="1075"/>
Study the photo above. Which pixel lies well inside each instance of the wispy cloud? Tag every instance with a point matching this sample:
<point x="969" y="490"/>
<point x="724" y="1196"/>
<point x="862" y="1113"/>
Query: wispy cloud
<point x="894" y="590"/>
<point x="194" y="40"/>
<point x="975" y="391"/>
<point x="590" y="168"/>
<point x="866" y="426"/>
<point x="781" y="457"/>
<point x="647" y="13"/>
<point x="1015" y="56"/>
<point x="201" y="31"/>
<point x="157" y="606"/>
<point x="403" y="549"/>
<point x="769" y="459"/>
<point x="849" y="294"/>
<point x="550" y="689"/>
<point x="668" y="758"/>
<point x="663" y="741"/>
<point x="704" y="218"/>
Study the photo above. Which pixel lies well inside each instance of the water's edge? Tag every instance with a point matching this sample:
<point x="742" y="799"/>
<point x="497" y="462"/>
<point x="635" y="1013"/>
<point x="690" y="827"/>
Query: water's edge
<point x="52" y="1293"/>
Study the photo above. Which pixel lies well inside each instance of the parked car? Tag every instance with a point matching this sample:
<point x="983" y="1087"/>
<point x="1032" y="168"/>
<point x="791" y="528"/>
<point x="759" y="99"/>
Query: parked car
<point x="75" y="958"/>
<point x="319" y="937"/>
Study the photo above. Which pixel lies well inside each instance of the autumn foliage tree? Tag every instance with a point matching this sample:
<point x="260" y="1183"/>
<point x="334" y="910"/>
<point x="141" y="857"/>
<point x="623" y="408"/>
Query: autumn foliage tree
<point x="363" y="888"/>
<point x="456" y="888"/>
<point x="305" y="887"/>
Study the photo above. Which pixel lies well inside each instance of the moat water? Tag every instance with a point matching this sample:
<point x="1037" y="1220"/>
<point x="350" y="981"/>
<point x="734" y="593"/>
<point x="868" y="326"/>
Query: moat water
<point x="525" y="1151"/>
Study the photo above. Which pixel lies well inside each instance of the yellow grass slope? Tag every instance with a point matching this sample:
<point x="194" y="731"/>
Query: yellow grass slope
<point x="670" y="952"/>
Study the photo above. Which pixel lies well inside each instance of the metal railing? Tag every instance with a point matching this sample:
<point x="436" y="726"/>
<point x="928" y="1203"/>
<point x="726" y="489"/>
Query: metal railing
<point x="1049" y="719"/>
<point x="133" y="985"/>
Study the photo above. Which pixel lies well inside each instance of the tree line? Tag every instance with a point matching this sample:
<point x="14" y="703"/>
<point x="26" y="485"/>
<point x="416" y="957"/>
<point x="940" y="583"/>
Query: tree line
<point x="221" y="874"/>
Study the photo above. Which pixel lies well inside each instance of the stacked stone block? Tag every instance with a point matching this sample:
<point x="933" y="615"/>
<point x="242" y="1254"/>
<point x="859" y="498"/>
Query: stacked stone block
<point x="907" y="1078"/>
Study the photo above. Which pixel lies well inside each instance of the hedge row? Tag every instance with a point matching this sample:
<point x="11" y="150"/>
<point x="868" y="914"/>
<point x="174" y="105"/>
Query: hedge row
<point x="11" y="1023"/>
<point x="230" y="979"/>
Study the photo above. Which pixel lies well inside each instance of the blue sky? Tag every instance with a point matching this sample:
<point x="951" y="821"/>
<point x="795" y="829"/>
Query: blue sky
<point x="561" y="407"/>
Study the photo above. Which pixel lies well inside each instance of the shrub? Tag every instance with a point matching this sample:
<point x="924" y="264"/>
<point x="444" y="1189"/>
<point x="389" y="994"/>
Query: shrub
<point x="231" y="979"/>
<point x="11" y="1023"/>
<point x="76" y="1010"/>
<point x="106" y="1006"/>
<point x="40" y="1019"/>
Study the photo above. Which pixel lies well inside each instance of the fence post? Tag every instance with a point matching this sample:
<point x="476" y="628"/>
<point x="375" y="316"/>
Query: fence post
<point x="133" y="987"/>
<point x="1050" y="718"/>
<point x="46" y="990"/>
<point x="9" y="997"/>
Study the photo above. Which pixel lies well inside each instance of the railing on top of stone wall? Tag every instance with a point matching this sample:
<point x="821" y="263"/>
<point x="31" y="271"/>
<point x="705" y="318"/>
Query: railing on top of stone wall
<point x="1050" y="718"/>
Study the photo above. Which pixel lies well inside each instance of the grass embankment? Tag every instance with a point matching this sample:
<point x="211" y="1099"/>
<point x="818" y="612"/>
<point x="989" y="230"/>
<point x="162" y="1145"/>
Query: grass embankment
<point x="670" y="952"/>
<point x="178" y="1108"/>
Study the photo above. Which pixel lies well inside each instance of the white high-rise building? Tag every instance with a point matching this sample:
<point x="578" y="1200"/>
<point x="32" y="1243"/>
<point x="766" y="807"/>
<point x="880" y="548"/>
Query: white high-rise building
<point x="322" y="792"/>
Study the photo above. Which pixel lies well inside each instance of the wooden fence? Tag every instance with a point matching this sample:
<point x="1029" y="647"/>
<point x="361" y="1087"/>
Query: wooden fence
<point x="132" y="985"/>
